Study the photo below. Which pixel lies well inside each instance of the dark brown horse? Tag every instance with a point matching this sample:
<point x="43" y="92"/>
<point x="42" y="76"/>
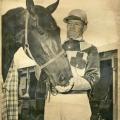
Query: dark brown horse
<point x="35" y="28"/>
<point x="43" y="37"/>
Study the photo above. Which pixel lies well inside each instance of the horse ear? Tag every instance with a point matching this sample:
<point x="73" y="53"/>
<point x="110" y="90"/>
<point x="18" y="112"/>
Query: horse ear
<point x="51" y="8"/>
<point x="30" y="6"/>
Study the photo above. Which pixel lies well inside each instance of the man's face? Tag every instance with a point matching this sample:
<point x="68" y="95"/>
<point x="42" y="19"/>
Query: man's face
<point x="74" y="29"/>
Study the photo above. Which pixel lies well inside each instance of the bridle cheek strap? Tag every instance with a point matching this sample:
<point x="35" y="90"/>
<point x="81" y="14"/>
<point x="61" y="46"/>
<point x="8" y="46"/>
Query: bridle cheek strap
<point x="26" y="47"/>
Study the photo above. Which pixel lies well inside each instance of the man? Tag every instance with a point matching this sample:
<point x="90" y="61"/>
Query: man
<point x="72" y="101"/>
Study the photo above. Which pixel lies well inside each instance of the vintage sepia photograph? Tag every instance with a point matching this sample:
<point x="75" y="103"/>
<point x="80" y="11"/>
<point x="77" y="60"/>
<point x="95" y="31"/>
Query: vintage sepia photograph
<point x="59" y="59"/>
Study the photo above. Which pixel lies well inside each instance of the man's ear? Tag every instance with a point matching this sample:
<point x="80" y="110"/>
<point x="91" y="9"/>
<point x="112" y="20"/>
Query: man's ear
<point x="84" y="28"/>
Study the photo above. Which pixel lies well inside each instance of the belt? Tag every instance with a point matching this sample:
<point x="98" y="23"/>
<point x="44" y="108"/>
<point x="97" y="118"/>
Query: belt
<point x="75" y="92"/>
<point x="54" y="92"/>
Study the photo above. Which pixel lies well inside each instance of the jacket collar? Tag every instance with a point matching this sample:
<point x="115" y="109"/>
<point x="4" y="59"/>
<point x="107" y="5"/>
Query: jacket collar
<point x="83" y="44"/>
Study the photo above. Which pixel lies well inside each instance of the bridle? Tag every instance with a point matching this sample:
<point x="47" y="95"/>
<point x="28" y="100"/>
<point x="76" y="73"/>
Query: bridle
<point x="27" y="50"/>
<point x="39" y="68"/>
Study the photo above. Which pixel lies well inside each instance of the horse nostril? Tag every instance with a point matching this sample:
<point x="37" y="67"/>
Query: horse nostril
<point x="62" y="77"/>
<point x="42" y="33"/>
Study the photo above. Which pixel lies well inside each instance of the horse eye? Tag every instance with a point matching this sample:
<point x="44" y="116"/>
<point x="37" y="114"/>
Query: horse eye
<point x="65" y="55"/>
<point x="52" y="26"/>
<point x="42" y="33"/>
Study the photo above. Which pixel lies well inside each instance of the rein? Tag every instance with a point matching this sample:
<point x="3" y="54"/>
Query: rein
<point x="26" y="49"/>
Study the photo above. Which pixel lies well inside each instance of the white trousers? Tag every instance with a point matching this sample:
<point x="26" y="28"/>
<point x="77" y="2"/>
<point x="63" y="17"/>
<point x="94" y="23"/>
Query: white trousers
<point x="68" y="107"/>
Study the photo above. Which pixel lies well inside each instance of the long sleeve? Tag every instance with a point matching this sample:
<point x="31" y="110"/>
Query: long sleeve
<point x="92" y="71"/>
<point x="84" y="65"/>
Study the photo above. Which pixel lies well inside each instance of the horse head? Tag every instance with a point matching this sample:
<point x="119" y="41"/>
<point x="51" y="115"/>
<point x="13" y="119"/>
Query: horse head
<point x="43" y="38"/>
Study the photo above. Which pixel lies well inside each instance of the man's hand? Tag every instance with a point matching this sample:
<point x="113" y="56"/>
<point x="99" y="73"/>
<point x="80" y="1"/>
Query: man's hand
<point x="63" y="89"/>
<point x="81" y="84"/>
<point x="74" y="84"/>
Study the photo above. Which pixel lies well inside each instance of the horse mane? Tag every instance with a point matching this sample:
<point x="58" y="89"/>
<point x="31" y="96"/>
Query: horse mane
<point x="10" y="27"/>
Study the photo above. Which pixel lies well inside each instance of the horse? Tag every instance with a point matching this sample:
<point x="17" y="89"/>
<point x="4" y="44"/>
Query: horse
<point x="37" y="32"/>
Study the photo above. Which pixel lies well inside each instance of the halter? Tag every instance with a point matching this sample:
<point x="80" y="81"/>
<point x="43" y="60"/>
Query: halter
<point x="39" y="68"/>
<point x="26" y="49"/>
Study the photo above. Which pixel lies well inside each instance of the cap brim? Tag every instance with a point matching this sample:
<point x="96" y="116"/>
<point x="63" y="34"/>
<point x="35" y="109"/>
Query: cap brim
<point x="73" y="18"/>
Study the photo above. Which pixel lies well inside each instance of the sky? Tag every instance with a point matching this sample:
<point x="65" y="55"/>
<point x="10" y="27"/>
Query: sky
<point x="102" y="27"/>
<point x="101" y="17"/>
